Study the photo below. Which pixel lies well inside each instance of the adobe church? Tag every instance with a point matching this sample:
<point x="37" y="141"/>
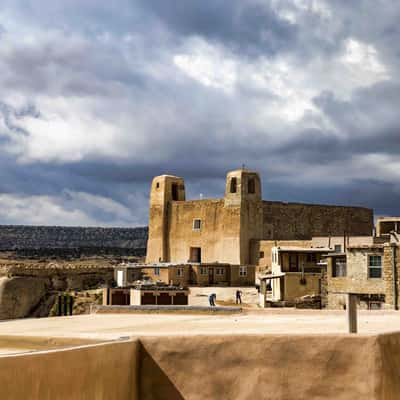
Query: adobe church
<point x="230" y="229"/>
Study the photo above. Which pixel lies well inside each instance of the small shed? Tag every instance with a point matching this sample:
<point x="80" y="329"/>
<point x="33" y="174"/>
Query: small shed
<point x="163" y="295"/>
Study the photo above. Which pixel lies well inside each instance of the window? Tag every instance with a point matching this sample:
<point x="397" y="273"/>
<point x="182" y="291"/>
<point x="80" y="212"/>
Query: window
<point x="157" y="185"/>
<point x="203" y="271"/>
<point x="242" y="271"/>
<point x="375" y="266"/>
<point x="233" y="185"/>
<point x="179" y="271"/>
<point x="196" y="224"/>
<point x="338" y="248"/>
<point x="251" y="186"/>
<point x="219" y="271"/>
<point x="174" y="191"/>
<point x="156" y="270"/>
<point x="374" y="305"/>
<point x="261" y="254"/>
<point x="339" y="268"/>
<point x="311" y="258"/>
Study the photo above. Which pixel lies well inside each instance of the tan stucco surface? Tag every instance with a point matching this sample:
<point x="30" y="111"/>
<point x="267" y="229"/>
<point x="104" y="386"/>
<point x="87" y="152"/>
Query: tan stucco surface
<point x="275" y="367"/>
<point x="272" y="354"/>
<point x="104" y="372"/>
<point x="266" y="321"/>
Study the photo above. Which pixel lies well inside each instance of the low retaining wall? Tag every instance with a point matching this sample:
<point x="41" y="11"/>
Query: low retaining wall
<point x="273" y="367"/>
<point x="163" y="309"/>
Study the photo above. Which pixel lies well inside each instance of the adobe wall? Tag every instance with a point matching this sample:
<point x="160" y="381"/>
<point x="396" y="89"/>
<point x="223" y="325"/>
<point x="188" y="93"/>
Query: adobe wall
<point x="277" y="367"/>
<point x="103" y="372"/>
<point x="294" y="289"/>
<point x="218" y="236"/>
<point x="296" y="221"/>
<point x="258" y="367"/>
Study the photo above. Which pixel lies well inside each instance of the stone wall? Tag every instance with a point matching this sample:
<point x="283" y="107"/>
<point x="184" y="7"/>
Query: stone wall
<point x="295" y="221"/>
<point x="45" y="241"/>
<point x="388" y="273"/>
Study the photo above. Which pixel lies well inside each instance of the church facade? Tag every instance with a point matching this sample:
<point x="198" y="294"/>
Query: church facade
<point x="232" y="229"/>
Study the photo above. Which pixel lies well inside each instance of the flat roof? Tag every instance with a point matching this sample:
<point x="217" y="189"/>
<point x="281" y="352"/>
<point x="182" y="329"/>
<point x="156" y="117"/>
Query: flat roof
<point x="366" y="246"/>
<point x="388" y="219"/>
<point x="272" y="276"/>
<point x="263" y="321"/>
<point x="304" y="249"/>
<point x="166" y="265"/>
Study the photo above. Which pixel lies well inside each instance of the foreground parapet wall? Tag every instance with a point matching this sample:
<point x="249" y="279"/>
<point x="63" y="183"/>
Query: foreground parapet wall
<point x="101" y="372"/>
<point x="273" y="367"/>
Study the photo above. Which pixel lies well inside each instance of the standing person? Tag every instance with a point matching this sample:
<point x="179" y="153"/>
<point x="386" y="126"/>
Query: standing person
<point x="211" y="299"/>
<point x="238" y="296"/>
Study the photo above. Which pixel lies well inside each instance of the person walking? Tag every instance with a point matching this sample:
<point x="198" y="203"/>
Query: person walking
<point x="238" y="296"/>
<point x="212" y="299"/>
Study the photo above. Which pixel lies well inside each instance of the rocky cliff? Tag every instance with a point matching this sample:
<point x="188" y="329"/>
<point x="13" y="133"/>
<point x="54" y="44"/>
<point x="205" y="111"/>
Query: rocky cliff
<point x="47" y="241"/>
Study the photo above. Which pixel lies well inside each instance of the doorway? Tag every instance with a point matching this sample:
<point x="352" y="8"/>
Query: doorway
<point x="195" y="254"/>
<point x="293" y="263"/>
<point x="210" y="276"/>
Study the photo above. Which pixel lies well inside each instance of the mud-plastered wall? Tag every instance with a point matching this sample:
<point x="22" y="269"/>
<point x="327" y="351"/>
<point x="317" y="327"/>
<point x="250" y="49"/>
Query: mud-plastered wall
<point x="273" y="367"/>
<point x="98" y="372"/>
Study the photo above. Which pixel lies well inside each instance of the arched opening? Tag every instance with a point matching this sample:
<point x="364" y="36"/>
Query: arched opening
<point x="175" y="191"/>
<point x="251" y="186"/>
<point x="233" y="187"/>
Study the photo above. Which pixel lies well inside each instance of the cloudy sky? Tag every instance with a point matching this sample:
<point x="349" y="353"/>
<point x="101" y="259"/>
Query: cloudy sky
<point x="97" y="97"/>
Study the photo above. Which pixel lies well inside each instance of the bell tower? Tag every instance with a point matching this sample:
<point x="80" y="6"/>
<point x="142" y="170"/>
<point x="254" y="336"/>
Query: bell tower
<point x="242" y="185"/>
<point x="243" y="213"/>
<point x="164" y="189"/>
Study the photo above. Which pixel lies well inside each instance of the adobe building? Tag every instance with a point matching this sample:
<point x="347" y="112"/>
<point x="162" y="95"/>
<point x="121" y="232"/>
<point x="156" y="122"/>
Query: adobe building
<point x="234" y="229"/>
<point x="184" y="274"/>
<point x="298" y="270"/>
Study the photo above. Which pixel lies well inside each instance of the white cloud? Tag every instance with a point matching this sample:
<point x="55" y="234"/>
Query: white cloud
<point x="67" y="130"/>
<point x="293" y="10"/>
<point x="70" y="209"/>
<point x="362" y="63"/>
<point x="39" y="210"/>
<point x="208" y="65"/>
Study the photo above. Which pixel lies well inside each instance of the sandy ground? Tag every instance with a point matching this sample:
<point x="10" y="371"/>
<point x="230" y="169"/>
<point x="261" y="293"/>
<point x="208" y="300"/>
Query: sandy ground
<point x="115" y="326"/>
<point x="225" y="295"/>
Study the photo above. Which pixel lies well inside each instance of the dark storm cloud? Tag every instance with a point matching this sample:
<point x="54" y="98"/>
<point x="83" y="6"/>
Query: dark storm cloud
<point x="367" y="123"/>
<point x="247" y="27"/>
<point x="109" y="71"/>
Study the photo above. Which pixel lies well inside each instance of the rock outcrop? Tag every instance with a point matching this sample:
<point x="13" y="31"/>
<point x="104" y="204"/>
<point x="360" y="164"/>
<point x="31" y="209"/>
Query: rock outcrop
<point x="30" y="289"/>
<point x="20" y="295"/>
